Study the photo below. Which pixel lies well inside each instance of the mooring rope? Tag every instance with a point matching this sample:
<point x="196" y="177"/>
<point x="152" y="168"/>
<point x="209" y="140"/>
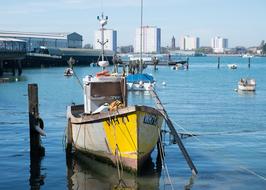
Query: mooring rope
<point x="118" y="155"/>
<point x="162" y="156"/>
<point x="210" y="148"/>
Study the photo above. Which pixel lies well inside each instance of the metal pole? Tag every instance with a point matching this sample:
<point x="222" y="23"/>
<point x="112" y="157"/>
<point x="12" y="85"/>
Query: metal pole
<point x="141" y="35"/>
<point x="102" y="43"/>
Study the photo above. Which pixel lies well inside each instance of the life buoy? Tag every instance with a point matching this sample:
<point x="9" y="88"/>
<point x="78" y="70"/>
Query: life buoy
<point x="103" y="73"/>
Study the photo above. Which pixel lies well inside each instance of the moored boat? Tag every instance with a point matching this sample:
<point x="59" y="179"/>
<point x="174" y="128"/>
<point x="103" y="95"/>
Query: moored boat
<point x="179" y="66"/>
<point x="68" y="72"/>
<point x="140" y="82"/>
<point x="106" y="127"/>
<point x="246" y="84"/>
<point x="109" y="129"/>
<point x="232" y="66"/>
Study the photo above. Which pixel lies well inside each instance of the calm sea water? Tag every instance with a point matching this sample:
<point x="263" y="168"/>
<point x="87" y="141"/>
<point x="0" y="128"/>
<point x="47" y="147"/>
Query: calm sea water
<point x="229" y="150"/>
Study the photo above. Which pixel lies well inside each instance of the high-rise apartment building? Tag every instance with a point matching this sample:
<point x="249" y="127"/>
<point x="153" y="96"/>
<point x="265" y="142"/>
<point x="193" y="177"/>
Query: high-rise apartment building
<point x="151" y="40"/>
<point x="219" y="44"/>
<point x="189" y="43"/>
<point x="110" y="36"/>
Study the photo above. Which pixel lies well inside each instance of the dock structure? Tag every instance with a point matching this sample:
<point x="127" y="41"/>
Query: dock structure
<point x="12" y="52"/>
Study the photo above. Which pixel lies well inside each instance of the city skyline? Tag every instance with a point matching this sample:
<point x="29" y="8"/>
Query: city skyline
<point x="239" y="20"/>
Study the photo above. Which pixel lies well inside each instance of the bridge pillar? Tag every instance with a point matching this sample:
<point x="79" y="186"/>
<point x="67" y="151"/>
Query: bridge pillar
<point x="1" y="67"/>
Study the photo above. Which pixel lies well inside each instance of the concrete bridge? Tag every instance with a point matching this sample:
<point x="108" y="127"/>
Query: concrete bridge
<point x="12" y="52"/>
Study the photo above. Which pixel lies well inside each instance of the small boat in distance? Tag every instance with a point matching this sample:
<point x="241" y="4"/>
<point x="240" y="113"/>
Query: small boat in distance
<point x="179" y="66"/>
<point x="232" y="66"/>
<point x="247" y="56"/>
<point x="246" y="84"/>
<point x="68" y="72"/>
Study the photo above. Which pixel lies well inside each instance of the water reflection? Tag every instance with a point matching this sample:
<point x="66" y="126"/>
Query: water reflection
<point x="36" y="177"/>
<point x="246" y="93"/>
<point x="9" y="78"/>
<point x="87" y="173"/>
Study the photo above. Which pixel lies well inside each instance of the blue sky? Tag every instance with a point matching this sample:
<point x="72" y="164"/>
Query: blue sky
<point x="241" y="21"/>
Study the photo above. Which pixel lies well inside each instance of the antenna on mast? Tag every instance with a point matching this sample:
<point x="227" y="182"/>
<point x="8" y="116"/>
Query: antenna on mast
<point x="103" y="21"/>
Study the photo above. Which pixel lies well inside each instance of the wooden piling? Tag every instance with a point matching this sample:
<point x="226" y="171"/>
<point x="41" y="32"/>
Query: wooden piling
<point x="249" y="62"/>
<point x="187" y="63"/>
<point x="218" y="66"/>
<point x="36" y="148"/>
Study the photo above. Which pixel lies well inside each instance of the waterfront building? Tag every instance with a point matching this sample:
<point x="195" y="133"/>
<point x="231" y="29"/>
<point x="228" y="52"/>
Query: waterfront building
<point x="52" y="40"/>
<point x="110" y="36"/>
<point x="189" y="43"/>
<point x="173" y="43"/>
<point x="219" y="44"/>
<point x="126" y="49"/>
<point x="151" y="40"/>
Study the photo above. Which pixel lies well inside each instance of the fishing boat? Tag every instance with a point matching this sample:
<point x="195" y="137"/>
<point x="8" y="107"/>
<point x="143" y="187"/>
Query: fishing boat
<point x="232" y="66"/>
<point x="246" y="84"/>
<point x="107" y="128"/>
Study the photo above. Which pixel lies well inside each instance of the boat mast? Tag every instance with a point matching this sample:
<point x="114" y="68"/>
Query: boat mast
<point x="103" y="22"/>
<point x="141" y="34"/>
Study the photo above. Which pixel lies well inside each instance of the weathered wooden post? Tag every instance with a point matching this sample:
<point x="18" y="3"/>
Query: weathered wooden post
<point x="218" y="66"/>
<point x="249" y="62"/>
<point x="36" y="123"/>
<point x="187" y="63"/>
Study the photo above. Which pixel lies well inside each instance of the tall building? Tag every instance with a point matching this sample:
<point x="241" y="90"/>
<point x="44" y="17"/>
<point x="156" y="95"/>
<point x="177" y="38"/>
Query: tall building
<point x="173" y="43"/>
<point x="51" y="40"/>
<point x="151" y="40"/>
<point x="189" y="43"/>
<point x="110" y="36"/>
<point x="219" y="44"/>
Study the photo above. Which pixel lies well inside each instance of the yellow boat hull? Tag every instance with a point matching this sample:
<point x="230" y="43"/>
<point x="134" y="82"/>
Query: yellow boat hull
<point x="127" y="136"/>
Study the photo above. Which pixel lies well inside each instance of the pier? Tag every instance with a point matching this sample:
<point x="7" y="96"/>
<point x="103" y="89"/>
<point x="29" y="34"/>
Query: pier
<point x="12" y="52"/>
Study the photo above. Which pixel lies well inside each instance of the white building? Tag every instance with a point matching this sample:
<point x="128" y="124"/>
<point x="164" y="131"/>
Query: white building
<point x="151" y="40"/>
<point x="110" y="36"/>
<point x="189" y="43"/>
<point x="219" y="44"/>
